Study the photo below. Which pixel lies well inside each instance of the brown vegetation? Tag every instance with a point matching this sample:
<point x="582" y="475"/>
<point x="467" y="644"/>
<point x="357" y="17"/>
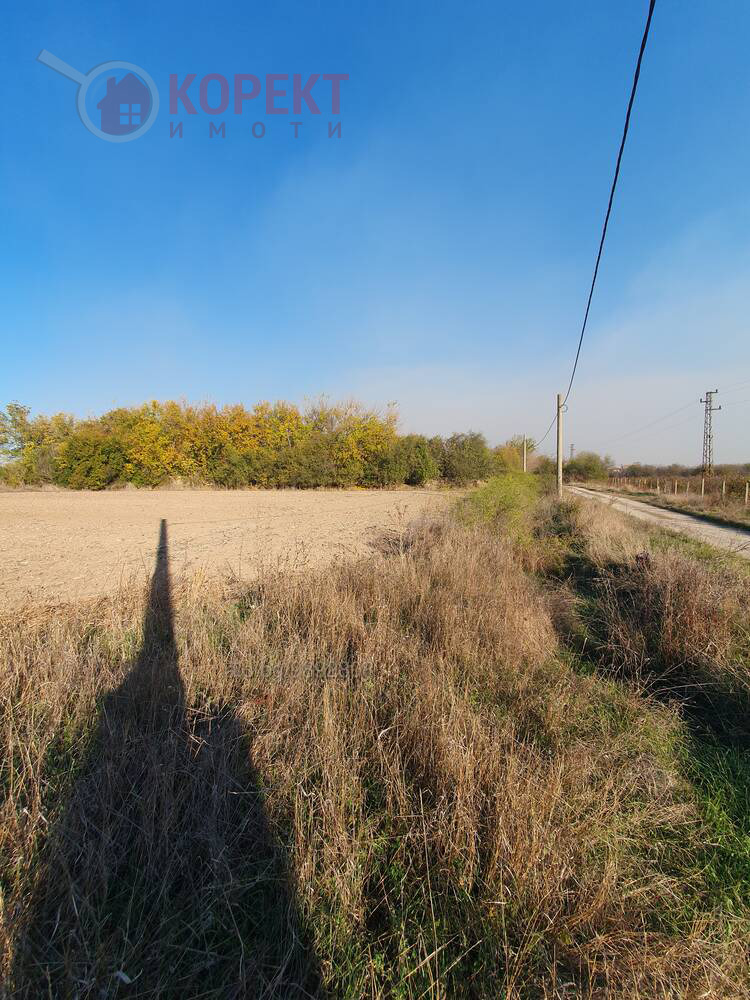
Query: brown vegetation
<point x="385" y="779"/>
<point x="666" y="619"/>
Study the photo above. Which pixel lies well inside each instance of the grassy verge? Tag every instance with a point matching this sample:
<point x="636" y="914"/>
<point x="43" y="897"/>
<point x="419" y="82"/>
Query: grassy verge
<point x="666" y="617"/>
<point x="400" y="777"/>
<point x="669" y="541"/>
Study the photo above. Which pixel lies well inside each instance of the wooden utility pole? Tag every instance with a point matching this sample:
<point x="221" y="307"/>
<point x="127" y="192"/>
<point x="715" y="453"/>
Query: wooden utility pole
<point x="559" y="446"/>
<point x="524" y="453"/>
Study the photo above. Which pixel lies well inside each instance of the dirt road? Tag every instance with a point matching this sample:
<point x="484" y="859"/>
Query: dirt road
<point x="57" y="546"/>
<point x="733" y="539"/>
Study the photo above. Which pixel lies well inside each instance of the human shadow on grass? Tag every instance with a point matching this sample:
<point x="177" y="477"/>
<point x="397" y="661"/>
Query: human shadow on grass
<point x="163" y="878"/>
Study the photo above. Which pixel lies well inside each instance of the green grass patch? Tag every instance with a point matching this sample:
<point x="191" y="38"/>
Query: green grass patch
<point x="720" y="776"/>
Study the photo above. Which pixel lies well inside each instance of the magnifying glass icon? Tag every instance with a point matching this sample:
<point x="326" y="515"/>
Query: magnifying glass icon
<point x="132" y="124"/>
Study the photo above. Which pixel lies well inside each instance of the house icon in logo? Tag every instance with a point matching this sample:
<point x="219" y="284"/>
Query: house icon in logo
<point x="125" y="106"/>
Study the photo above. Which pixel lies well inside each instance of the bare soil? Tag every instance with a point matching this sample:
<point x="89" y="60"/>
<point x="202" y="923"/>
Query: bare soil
<point x="66" y="545"/>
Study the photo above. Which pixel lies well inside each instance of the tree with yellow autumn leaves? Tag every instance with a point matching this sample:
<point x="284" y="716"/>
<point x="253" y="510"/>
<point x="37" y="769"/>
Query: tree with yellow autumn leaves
<point x="269" y="445"/>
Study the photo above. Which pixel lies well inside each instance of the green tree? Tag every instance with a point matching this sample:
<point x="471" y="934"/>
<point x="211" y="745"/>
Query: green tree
<point x="15" y="429"/>
<point x="588" y="465"/>
<point x="89" y="460"/>
<point x="466" y="458"/>
<point x="413" y="461"/>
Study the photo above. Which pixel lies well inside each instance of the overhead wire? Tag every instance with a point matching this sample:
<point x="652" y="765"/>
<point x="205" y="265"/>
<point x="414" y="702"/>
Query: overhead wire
<point x="735" y="385"/>
<point x="634" y="88"/>
<point x="652" y="423"/>
<point x="681" y="423"/>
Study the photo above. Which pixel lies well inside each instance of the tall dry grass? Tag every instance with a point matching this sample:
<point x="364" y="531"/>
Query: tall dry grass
<point x="379" y="780"/>
<point x="667" y="620"/>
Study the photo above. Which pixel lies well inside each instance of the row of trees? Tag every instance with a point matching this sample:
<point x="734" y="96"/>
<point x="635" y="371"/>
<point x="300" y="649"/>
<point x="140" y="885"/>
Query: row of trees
<point x="268" y="445"/>
<point x="587" y="466"/>
<point x="640" y="471"/>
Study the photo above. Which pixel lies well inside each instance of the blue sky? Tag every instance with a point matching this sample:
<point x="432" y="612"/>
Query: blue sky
<point x="438" y="254"/>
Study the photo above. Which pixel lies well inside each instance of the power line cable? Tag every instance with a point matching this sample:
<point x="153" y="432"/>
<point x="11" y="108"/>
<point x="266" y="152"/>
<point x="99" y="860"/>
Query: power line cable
<point x="682" y="423"/>
<point x="735" y="387"/>
<point x="537" y="443"/>
<point x="734" y="402"/>
<point x="633" y="90"/>
<point x="651" y="423"/>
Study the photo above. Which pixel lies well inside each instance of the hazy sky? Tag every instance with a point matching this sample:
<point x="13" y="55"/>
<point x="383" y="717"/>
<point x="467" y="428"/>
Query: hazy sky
<point x="438" y="254"/>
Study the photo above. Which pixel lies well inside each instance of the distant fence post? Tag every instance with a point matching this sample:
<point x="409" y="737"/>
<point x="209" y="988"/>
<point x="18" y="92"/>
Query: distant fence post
<point x="675" y="487"/>
<point x="723" y="489"/>
<point x="747" y="493"/>
<point x="703" y="485"/>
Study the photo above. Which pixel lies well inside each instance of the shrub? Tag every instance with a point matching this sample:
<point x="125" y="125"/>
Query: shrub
<point x="228" y="468"/>
<point x="14" y="429"/>
<point x="507" y="502"/>
<point x="466" y="458"/>
<point x="508" y="457"/>
<point x="10" y="474"/>
<point x="90" y="461"/>
<point x="307" y="464"/>
<point x="588" y="465"/>
<point x="545" y="467"/>
<point x="413" y="461"/>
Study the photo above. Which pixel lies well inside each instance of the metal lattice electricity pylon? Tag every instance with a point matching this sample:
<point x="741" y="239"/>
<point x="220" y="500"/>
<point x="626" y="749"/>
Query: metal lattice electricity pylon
<point x="708" y="433"/>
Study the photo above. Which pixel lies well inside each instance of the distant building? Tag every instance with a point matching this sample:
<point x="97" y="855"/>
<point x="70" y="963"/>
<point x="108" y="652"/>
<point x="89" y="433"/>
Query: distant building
<point x="125" y="106"/>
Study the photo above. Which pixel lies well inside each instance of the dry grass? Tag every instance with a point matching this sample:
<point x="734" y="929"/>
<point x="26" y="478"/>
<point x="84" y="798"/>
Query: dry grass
<point x="665" y="611"/>
<point x="380" y="780"/>
<point x="665" y="618"/>
<point x="607" y="536"/>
